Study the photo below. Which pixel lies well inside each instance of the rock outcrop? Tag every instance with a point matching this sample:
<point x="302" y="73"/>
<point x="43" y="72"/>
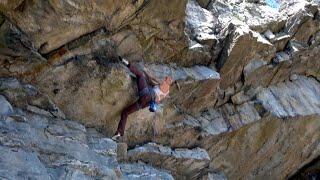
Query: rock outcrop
<point x="184" y="163"/>
<point x="43" y="147"/>
<point x="153" y="29"/>
<point x="274" y="148"/>
<point x="245" y="103"/>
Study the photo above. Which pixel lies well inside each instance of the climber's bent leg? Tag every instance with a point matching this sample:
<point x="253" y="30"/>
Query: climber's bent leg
<point x="124" y="115"/>
<point x="143" y="101"/>
<point x="141" y="78"/>
<point x="134" y="69"/>
<point x="140" y="104"/>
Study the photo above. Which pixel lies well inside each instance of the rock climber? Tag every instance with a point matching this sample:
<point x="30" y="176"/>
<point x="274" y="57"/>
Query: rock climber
<point x="149" y="94"/>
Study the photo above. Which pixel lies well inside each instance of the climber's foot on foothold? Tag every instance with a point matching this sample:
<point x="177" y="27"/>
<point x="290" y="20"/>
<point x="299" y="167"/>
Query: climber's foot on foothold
<point x="116" y="137"/>
<point x="124" y="61"/>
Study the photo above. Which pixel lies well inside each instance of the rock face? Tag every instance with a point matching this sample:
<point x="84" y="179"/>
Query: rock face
<point x="278" y="99"/>
<point x="269" y="145"/>
<point x="43" y="147"/>
<point x="245" y="103"/>
<point x="27" y="97"/>
<point x="158" y="26"/>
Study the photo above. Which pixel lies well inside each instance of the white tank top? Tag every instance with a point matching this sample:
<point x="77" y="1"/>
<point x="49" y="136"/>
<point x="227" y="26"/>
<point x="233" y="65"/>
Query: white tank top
<point x="159" y="94"/>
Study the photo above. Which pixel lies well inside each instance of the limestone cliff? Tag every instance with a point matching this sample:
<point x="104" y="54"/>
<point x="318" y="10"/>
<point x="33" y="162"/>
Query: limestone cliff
<point x="245" y="103"/>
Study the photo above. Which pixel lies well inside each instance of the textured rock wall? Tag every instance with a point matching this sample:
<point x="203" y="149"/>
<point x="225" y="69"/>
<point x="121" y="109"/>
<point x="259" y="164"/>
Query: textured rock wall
<point x="35" y="146"/>
<point x="153" y="29"/>
<point x="246" y="91"/>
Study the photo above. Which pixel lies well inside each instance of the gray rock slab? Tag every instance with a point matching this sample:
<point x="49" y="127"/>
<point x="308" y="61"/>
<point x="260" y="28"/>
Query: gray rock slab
<point x="20" y="164"/>
<point x="142" y="171"/>
<point x="5" y="106"/>
<point x="248" y="113"/>
<point x="253" y="65"/>
<point x="299" y="97"/>
<point x="41" y="147"/>
<point x="196" y="73"/>
<point x="190" y="163"/>
<point x="269" y="35"/>
<point x="281" y="57"/>
<point x="200" y="23"/>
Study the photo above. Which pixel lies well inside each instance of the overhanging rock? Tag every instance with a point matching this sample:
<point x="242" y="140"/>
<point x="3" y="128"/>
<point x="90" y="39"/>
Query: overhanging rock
<point x="299" y="97"/>
<point x="195" y="87"/>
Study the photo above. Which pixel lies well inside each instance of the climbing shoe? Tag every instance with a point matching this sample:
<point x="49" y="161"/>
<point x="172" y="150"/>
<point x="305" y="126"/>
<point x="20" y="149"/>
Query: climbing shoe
<point x="124" y="61"/>
<point x="116" y="137"/>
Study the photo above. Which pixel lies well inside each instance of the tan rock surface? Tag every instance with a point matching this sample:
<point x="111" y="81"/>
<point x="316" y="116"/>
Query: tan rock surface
<point x="246" y="91"/>
<point x="275" y="147"/>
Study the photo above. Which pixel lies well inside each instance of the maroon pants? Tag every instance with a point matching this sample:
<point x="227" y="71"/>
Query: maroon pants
<point x="141" y="103"/>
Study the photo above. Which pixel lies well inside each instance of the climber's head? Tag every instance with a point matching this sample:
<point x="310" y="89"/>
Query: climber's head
<point x="167" y="81"/>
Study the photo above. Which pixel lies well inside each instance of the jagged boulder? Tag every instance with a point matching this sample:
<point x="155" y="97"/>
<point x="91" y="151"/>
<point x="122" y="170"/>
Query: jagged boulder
<point x="234" y="57"/>
<point x="272" y="148"/>
<point x="297" y="54"/>
<point x="268" y="121"/>
<point x="199" y="30"/>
